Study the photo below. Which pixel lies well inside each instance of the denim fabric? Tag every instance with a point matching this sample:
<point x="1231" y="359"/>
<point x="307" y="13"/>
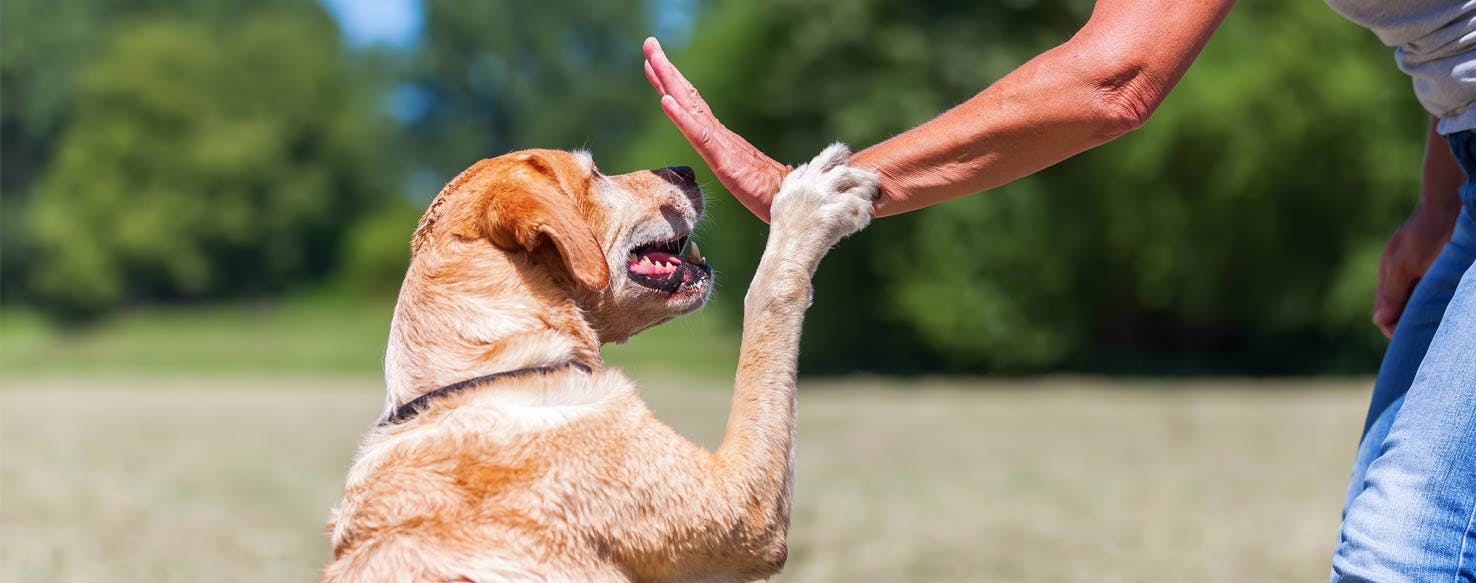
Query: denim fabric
<point x="1412" y="497"/>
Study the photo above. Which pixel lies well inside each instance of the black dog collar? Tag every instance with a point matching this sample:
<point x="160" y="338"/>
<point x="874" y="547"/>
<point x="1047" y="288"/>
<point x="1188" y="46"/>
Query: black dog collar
<point x="409" y="410"/>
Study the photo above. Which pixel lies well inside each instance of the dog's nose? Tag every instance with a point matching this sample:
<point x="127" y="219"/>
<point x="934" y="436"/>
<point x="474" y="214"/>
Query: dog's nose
<point x="685" y="172"/>
<point x="680" y="175"/>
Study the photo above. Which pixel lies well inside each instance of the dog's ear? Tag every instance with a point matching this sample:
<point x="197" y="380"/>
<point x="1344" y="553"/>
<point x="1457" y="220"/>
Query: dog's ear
<point x="530" y="207"/>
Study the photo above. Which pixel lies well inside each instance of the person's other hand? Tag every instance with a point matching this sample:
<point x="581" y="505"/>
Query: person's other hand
<point x="752" y="176"/>
<point x="1409" y="252"/>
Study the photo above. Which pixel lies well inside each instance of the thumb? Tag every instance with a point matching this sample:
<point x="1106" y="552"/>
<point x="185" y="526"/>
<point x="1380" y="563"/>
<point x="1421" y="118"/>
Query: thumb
<point x="1390" y="301"/>
<point x="1382" y="319"/>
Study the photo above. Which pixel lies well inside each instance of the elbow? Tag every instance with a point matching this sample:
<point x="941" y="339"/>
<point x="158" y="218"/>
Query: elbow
<point x="772" y="554"/>
<point x="1123" y="102"/>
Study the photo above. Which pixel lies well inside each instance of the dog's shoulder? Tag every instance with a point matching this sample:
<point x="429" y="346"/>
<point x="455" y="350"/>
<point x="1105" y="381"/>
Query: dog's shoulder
<point x="476" y="450"/>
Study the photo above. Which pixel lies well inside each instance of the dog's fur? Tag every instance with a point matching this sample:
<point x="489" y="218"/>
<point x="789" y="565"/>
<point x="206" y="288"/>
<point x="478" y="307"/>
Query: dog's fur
<point x="521" y="261"/>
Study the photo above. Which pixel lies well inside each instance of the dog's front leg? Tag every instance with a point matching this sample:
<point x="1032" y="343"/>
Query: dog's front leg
<point x="818" y="204"/>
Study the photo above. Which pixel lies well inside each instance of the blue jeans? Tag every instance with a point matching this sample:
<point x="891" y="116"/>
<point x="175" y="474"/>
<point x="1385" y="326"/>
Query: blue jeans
<point x="1412" y="498"/>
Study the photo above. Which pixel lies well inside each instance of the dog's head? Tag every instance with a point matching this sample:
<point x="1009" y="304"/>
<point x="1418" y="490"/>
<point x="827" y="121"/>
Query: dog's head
<point x="617" y="245"/>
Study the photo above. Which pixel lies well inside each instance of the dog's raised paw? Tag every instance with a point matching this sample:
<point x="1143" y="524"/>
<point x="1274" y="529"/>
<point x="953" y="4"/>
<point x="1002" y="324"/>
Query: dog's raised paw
<point x="826" y="196"/>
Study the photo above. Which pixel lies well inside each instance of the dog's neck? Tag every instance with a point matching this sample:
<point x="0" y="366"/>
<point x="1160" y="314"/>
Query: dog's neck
<point x="454" y="321"/>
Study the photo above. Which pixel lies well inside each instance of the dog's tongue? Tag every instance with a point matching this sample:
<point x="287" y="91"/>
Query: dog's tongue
<point x="656" y="263"/>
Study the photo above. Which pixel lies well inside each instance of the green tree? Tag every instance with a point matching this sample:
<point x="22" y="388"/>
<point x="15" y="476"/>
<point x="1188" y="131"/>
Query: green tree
<point x="491" y="77"/>
<point x="43" y="46"/>
<point x="1239" y="229"/>
<point x="504" y="75"/>
<point x="206" y="160"/>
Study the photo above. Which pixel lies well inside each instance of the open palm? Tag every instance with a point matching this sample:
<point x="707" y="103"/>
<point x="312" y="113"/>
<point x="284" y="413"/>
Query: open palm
<point x="752" y="176"/>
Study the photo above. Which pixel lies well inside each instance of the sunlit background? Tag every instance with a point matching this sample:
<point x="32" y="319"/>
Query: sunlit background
<point x="1146" y="363"/>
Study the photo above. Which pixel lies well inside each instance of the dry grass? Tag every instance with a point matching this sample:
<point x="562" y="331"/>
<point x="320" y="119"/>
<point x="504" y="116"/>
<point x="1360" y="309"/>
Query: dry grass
<point x="1056" y="480"/>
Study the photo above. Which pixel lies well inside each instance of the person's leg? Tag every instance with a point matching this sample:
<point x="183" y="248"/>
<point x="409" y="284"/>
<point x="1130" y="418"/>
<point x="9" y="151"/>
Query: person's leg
<point x="1422" y="315"/>
<point x="1410" y="516"/>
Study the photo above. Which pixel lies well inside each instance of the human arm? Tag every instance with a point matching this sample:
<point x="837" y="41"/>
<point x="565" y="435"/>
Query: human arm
<point x="1416" y="243"/>
<point x="1103" y="82"/>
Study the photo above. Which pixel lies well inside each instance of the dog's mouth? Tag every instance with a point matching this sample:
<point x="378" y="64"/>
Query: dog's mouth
<point x="668" y="266"/>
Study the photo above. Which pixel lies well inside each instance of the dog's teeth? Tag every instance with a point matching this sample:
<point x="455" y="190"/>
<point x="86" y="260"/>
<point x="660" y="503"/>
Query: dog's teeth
<point x="693" y="253"/>
<point x="645" y="260"/>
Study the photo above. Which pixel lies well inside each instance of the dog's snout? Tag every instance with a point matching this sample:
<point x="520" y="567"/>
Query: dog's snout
<point x="678" y="175"/>
<point x="685" y="172"/>
<point x="685" y="180"/>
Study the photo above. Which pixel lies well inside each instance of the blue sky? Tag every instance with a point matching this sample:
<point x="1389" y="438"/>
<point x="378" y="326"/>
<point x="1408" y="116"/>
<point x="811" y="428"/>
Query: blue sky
<point x="397" y="23"/>
<point x="394" y="23"/>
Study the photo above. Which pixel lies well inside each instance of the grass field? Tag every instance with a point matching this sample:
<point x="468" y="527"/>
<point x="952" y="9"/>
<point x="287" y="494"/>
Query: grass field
<point x="161" y="449"/>
<point x="1056" y="480"/>
<point x="308" y="336"/>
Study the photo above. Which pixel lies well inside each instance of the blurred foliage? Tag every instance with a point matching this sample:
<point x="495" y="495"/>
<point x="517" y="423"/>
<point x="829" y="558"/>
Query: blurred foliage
<point x="377" y="251"/>
<point x="493" y="77"/>
<point x="323" y="332"/>
<point x="1239" y="230"/>
<point x="43" y="47"/>
<point x="157" y="151"/>
<point x="1241" y="226"/>
<point x="205" y="159"/>
<point x="507" y="75"/>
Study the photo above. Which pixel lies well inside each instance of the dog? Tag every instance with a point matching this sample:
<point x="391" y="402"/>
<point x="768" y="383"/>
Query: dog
<point x="508" y="452"/>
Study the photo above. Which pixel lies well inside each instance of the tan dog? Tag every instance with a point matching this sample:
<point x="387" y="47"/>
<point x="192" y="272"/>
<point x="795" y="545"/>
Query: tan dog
<point x="509" y="453"/>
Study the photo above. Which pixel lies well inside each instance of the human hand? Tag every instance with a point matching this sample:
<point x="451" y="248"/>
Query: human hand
<point x="1409" y="252"/>
<point x="752" y="176"/>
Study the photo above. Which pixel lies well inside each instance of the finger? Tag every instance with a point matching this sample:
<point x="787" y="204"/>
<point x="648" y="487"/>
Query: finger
<point x="1378" y="312"/>
<point x="650" y="46"/>
<point x="651" y="76"/>
<point x="1381" y="319"/>
<point x="668" y="73"/>
<point x="1394" y="284"/>
<point x="696" y="132"/>
<point x="665" y="75"/>
<point x="1392" y="298"/>
<point x="1383" y="315"/>
<point x="672" y="81"/>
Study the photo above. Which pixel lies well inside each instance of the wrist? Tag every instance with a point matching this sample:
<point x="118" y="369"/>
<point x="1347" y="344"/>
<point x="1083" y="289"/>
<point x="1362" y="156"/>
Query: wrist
<point x="1441" y="176"/>
<point x="771" y="183"/>
<point x="1438" y="206"/>
<point x="1436" y="215"/>
<point x="780" y="172"/>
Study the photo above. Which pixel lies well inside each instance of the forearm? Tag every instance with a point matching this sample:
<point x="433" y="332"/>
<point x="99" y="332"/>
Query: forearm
<point x="1099" y="85"/>
<point x="1442" y="177"/>
<point x="1038" y="115"/>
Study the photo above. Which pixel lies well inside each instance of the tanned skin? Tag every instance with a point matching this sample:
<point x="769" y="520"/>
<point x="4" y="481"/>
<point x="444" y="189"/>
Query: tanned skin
<point x="1417" y="242"/>
<point x="1102" y="83"/>
<point x="1105" y="81"/>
